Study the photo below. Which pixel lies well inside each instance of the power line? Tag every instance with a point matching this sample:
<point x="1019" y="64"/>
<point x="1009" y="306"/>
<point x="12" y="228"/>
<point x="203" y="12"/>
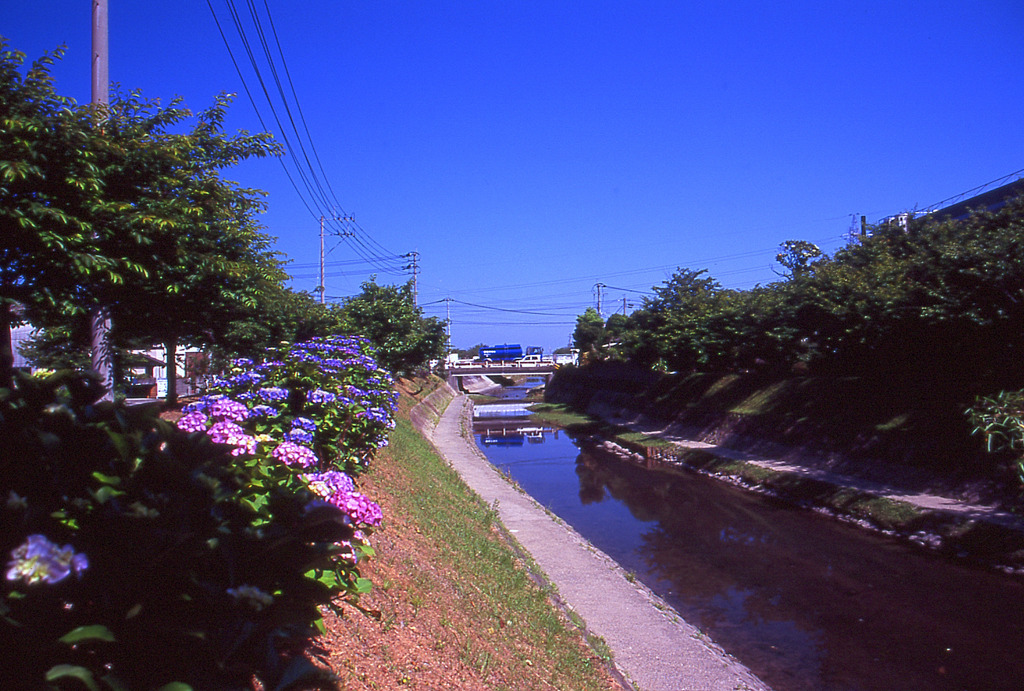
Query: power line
<point x="315" y="191"/>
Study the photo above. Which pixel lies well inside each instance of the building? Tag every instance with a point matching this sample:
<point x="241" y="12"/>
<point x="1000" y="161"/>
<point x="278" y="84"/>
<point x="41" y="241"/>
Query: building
<point x="993" y="200"/>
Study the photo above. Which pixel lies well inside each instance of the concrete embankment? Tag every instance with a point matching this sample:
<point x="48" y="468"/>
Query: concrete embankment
<point x="921" y="507"/>
<point x="652" y="647"/>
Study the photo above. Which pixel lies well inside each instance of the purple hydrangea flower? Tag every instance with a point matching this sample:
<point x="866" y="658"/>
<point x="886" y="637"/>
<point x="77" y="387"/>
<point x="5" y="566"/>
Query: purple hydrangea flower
<point x="304" y="423"/>
<point x="329" y="483"/>
<point x="37" y="559"/>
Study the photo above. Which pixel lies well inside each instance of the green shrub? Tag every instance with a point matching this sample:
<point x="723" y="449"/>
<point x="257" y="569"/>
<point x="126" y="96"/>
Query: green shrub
<point x="166" y="572"/>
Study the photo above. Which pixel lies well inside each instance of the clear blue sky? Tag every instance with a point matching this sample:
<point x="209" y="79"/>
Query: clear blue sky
<point x="531" y="150"/>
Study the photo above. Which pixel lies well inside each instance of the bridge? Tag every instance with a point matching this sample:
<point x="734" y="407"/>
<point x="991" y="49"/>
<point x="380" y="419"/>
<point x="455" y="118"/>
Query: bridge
<point x="508" y="369"/>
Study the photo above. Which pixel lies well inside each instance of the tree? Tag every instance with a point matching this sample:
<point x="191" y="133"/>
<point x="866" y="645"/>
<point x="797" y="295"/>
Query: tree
<point x="52" y="250"/>
<point x="404" y="339"/>
<point x="112" y="208"/>
<point x="797" y="257"/>
<point x="589" y="332"/>
<point x="678" y="316"/>
<point x="207" y="263"/>
<point x="282" y="316"/>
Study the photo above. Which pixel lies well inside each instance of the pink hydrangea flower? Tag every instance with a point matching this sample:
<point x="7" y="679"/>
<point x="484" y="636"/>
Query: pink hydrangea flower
<point x="358" y="507"/>
<point x="225" y="432"/>
<point x="291" y="453"/>
<point x="193" y="422"/>
<point x="227" y="409"/>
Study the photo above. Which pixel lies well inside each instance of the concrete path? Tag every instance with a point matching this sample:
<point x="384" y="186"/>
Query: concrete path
<point x="652" y="646"/>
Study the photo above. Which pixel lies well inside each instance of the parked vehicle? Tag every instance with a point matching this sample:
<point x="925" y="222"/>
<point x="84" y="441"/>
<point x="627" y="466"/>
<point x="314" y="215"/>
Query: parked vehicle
<point x="512" y="352"/>
<point x="502" y="353"/>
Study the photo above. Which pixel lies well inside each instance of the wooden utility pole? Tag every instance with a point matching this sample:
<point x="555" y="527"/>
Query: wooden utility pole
<point x="100" y="318"/>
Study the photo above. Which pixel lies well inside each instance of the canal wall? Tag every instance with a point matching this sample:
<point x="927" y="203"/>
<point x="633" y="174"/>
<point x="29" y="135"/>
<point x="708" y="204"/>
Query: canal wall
<point x="847" y="425"/>
<point x="960" y="515"/>
<point x="427" y="412"/>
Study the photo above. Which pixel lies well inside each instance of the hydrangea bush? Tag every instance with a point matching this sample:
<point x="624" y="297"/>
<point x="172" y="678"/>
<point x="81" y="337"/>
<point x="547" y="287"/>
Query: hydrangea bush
<point x="327" y="394"/>
<point x="141" y="553"/>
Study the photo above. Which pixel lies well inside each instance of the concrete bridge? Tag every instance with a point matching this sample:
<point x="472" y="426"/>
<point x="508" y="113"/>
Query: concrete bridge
<point x="508" y="369"/>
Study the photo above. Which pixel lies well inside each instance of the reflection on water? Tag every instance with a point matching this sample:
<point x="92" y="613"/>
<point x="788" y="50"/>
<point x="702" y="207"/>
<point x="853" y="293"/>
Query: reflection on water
<point x="805" y="602"/>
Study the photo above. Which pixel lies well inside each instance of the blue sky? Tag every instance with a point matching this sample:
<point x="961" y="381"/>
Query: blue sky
<point x="529" y="151"/>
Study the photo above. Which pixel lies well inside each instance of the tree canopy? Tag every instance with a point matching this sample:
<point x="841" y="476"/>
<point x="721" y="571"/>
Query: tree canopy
<point x="938" y="301"/>
<point x="403" y="338"/>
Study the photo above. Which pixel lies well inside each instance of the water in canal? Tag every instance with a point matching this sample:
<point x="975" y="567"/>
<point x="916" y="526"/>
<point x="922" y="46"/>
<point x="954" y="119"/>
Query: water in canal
<point x="805" y="602"/>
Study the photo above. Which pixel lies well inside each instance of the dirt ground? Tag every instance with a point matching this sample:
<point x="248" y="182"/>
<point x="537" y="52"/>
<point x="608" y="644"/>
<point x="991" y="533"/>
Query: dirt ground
<point x="423" y="633"/>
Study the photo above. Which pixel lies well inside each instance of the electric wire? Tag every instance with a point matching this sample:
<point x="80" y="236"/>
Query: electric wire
<point x="319" y="197"/>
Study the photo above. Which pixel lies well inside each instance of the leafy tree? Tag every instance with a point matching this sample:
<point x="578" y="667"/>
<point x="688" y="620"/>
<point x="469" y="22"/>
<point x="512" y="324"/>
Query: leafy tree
<point x="678" y="316"/>
<point x="404" y="339"/>
<point x="282" y="316"/>
<point x="52" y="249"/>
<point x="207" y="263"/>
<point x="117" y="208"/>
<point x="797" y="257"/>
<point x="589" y="332"/>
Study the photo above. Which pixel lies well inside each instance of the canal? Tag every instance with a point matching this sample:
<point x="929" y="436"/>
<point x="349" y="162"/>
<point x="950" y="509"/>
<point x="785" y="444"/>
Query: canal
<point x="805" y="602"/>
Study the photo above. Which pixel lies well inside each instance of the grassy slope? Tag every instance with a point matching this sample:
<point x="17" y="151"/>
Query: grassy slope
<point x="458" y="605"/>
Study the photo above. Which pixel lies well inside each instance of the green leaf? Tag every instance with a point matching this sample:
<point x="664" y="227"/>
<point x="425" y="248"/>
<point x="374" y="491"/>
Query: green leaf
<point x="175" y="686"/>
<point x="107" y="479"/>
<point x="329" y="578"/>
<point x="106" y="492"/>
<point x="85" y="634"/>
<point x="74" y="672"/>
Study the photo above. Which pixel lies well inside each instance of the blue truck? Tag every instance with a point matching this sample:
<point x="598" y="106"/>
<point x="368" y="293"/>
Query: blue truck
<point x="508" y="352"/>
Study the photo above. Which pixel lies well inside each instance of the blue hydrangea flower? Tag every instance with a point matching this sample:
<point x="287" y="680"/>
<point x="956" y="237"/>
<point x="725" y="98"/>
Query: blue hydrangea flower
<point x="299" y="436"/>
<point x="265" y="411"/>
<point x="273" y="393"/>
<point x="320" y="397"/>
<point x="304" y="423"/>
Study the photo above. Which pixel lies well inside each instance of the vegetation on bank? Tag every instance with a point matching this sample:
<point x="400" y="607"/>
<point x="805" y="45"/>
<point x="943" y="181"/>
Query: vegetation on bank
<point x="963" y="536"/>
<point x="142" y="554"/>
<point x="881" y="348"/>
<point x="139" y="553"/>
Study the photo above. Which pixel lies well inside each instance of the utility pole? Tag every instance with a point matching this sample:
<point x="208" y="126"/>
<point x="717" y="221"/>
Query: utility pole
<point x="448" y="327"/>
<point x="323" y="284"/>
<point x="600" y="306"/>
<point x="100" y="318"/>
<point x="414" y="265"/>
